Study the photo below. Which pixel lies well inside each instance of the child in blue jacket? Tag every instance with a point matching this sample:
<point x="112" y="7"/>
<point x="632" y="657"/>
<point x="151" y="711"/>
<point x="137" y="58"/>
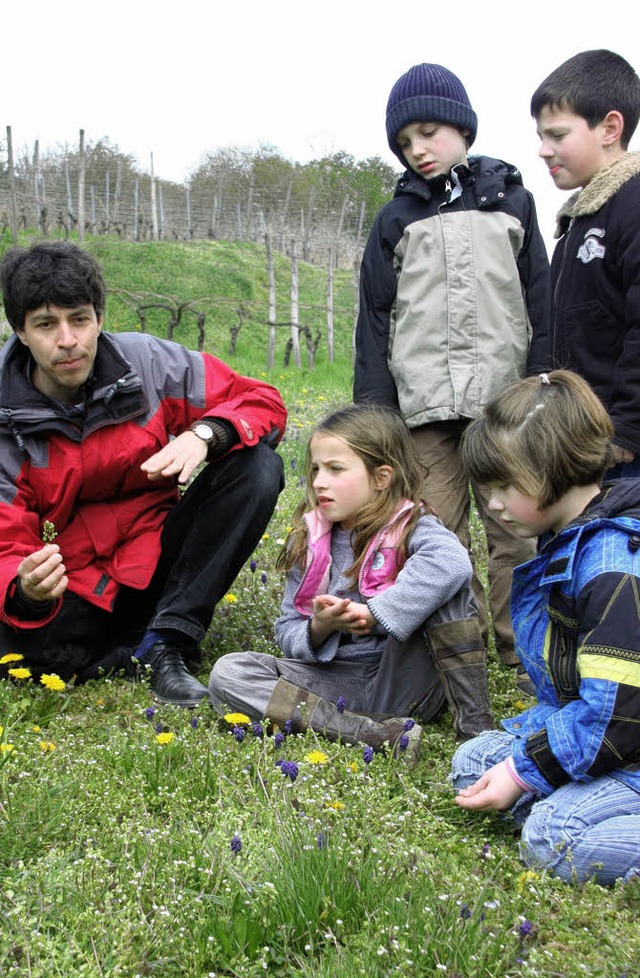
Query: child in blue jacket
<point x="569" y="767"/>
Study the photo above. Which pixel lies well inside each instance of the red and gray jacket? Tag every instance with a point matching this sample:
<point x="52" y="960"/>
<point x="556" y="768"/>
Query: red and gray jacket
<point x="83" y="473"/>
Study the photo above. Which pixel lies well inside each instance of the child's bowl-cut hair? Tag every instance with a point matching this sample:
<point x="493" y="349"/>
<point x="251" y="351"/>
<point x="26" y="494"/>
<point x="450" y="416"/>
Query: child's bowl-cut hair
<point x="591" y="84"/>
<point x="542" y="435"/>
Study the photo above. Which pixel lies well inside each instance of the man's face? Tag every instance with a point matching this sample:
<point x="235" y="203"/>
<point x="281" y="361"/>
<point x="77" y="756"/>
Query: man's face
<point x="572" y="151"/>
<point x="63" y="344"/>
<point x="432" y="148"/>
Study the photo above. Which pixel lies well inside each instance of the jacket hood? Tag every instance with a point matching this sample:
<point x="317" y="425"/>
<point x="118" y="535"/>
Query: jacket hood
<point x="604" y="185"/>
<point x="492" y="172"/>
<point x="618" y="499"/>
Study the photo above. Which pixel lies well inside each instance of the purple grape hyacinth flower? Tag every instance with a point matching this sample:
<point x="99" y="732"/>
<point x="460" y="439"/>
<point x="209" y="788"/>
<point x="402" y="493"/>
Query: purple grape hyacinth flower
<point x="257" y="730"/>
<point x="290" y="769"/>
<point x="238" y="733"/>
<point x="403" y="742"/>
<point x="150" y="712"/>
<point x="340" y="704"/>
<point x="235" y="845"/>
<point x="367" y="755"/>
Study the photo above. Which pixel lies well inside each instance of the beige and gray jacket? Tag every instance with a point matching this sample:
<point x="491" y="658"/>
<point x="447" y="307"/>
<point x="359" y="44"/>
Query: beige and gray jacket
<point x="454" y="294"/>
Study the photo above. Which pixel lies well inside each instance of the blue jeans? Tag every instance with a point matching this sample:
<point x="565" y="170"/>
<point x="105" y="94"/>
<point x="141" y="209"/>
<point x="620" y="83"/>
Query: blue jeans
<point x="579" y="832"/>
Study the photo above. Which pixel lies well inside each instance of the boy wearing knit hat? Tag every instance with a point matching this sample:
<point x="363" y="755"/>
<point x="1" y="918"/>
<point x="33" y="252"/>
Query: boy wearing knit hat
<point x="454" y="304"/>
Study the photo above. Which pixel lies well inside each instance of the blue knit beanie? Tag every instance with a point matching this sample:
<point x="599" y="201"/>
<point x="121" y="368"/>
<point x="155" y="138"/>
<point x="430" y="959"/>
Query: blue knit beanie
<point x="428" y="93"/>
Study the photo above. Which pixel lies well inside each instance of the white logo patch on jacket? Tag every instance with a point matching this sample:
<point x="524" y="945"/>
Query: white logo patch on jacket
<point x="591" y="248"/>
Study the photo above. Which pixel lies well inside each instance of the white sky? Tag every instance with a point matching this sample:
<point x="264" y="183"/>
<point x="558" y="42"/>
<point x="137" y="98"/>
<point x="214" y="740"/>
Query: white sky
<point x="178" y="79"/>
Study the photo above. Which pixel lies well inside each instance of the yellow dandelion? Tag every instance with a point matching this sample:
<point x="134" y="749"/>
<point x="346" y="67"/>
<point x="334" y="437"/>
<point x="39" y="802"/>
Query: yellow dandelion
<point x="36" y="728"/>
<point x="1" y="730"/>
<point x="53" y="682"/>
<point x="236" y="718"/>
<point x="230" y="598"/>
<point x="265" y="536"/>
<point x="100" y="702"/>
<point x="21" y="672"/>
<point x="288" y="529"/>
<point x="47" y="745"/>
<point x="353" y="766"/>
<point x="316" y="757"/>
<point x="525" y="878"/>
<point x="337" y="806"/>
<point x="321" y="398"/>
<point x="520" y="705"/>
<point x="164" y="738"/>
<point x="5" y="748"/>
<point x="11" y="657"/>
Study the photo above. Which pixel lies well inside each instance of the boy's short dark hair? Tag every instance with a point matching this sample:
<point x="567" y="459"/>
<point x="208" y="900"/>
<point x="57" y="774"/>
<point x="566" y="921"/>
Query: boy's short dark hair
<point x="49" y="273"/>
<point x="591" y="84"/>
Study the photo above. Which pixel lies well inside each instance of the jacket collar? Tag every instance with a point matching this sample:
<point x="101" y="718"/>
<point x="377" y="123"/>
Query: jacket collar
<point x="598" y="191"/>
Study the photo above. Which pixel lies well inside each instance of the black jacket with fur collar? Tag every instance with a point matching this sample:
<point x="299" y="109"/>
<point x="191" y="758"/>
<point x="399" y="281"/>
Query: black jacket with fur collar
<point x="596" y="281"/>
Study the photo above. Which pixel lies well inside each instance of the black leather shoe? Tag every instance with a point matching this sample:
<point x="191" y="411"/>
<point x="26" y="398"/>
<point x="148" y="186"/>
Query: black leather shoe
<point x="171" y="682"/>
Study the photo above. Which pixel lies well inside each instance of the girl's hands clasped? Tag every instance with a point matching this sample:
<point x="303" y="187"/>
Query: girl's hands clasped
<point x="332" y="614"/>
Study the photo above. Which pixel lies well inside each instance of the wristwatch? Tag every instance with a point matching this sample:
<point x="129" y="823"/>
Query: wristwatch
<point x="205" y="432"/>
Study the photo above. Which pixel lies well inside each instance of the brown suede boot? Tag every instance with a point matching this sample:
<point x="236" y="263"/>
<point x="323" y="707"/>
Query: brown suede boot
<point x="461" y="660"/>
<point x="306" y="711"/>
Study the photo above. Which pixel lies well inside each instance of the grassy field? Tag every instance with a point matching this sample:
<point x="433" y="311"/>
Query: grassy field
<point x="139" y="840"/>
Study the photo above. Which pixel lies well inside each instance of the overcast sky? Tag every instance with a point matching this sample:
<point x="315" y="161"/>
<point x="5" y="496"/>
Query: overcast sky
<point x="179" y="79"/>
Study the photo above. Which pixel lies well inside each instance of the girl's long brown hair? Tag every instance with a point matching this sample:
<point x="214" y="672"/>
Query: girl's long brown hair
<point x="379" y="436"/>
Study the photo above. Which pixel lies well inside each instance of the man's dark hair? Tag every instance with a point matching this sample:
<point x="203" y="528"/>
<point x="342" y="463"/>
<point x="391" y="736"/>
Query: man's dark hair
<point x="591" y="84"/>
<point x="49" y="273"/>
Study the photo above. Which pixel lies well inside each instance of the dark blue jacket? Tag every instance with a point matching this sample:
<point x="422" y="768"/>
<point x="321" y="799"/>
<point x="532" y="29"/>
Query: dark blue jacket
<point x="596" y="280"/>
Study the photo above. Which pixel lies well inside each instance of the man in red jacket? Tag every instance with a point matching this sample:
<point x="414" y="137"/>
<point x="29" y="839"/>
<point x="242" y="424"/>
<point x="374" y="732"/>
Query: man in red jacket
<point x="103" y="563"/>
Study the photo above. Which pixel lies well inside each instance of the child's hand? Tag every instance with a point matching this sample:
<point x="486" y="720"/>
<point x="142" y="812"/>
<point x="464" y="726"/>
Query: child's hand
<point x="362" y="623"/>
<point x="495" y="789"/>
<point x="332" y="614"/>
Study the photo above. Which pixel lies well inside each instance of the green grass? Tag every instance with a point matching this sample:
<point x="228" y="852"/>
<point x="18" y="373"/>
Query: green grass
<point x="116" y="849"/>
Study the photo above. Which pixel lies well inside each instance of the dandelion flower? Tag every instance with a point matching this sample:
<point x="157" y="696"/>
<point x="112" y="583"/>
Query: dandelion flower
<point x="525" y="878"/>
<point x="164" y="738"/>
<point x="21" y="672"/>
<point x="6" y="748"/>
<point x="236" y="718"/>
<point x="35" y="728"/>
<point x="47" y="745"/>
<point x="353" y="766"/>
<point x="230" y="598"/>
<point x="53" y="682"/>
<point x="336" y="805"/>
<point x="11" y="657"/>
<point x="316" y="757"/>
